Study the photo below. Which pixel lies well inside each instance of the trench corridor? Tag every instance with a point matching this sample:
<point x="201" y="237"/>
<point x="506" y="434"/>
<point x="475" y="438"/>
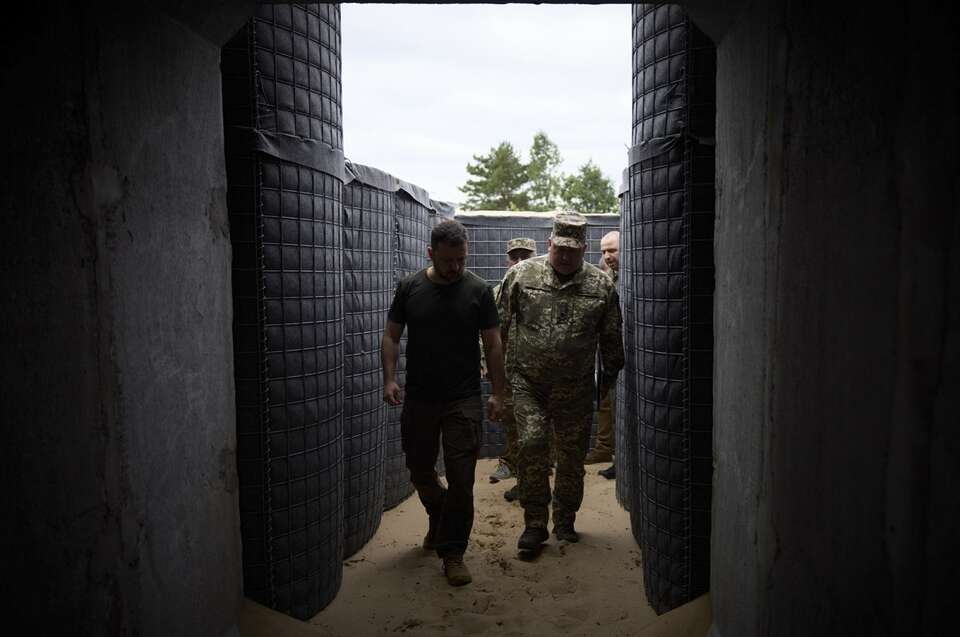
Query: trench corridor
<point x="591" y="588"/>
<point x="190" y="289"/>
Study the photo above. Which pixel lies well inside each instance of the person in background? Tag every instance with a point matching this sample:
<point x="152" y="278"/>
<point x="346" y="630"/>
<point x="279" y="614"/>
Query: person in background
<point x="605" y="448"/>
<point x="444" y="308"/>
<point x="518" y="249"/>
<point x="563" y="308"/>
<point x="603" y="451"/>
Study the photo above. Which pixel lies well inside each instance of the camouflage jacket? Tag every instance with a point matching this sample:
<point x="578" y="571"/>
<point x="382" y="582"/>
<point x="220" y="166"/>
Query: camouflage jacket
<point x="559" y="325"/>
<point x="510" y="351"/>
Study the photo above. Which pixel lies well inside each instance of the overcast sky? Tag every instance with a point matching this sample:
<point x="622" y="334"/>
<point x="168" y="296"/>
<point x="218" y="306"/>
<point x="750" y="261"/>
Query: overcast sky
<point x="426" y="87"/>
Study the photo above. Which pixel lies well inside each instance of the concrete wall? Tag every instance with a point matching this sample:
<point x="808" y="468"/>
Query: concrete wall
<point x="119" y="481"/>
<point x="837" y="316"/>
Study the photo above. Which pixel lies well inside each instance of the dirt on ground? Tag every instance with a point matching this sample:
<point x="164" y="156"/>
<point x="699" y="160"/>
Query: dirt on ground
<point x="393" y="586"/>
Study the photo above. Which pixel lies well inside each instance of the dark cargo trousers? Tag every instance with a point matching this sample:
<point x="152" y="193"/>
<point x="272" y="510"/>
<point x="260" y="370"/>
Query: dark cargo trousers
<point x="564" y="413"/>
<point x="424" y="425"/>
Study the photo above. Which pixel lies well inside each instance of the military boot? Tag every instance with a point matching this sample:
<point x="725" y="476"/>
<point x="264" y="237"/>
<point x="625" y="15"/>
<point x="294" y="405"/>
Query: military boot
<point x="531" y="538"/>
<point x="565" y="531"/>
<point x="456" y="571"/>
<point x="563" y="525"/>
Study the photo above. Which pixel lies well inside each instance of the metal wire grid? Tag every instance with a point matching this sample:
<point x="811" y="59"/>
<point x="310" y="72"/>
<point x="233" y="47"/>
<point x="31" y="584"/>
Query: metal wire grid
<point x="246" y="231"/>
<point x="412" y="235"/>
<point x="288" y="353"/>
<point x="249" y="372"/>
<point x="296" y="51"/>
<point x="699" y="160"/>
<point x="368" y="237"/>
<point x="625" y="409"/>
<point x="659" y="56"/>
<point x="303" y="346"/>
<point x="659" y="249"/>
<point x="487" y="256"/>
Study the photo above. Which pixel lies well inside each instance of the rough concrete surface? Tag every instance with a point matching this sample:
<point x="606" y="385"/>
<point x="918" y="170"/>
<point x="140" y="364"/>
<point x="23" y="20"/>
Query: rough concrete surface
<point x="118" y="385"/>
<point x="836" y="304"/>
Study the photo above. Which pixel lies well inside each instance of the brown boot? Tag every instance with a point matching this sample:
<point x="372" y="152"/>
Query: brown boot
<point x="456" y="571"/>
<point x="596" y="457"/>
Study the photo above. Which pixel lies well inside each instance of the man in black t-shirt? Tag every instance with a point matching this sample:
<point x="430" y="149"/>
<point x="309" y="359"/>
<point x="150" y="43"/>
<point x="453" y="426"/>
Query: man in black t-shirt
<point x="444" y="307"/>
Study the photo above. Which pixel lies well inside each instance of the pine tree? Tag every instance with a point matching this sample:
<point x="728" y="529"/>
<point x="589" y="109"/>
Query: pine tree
<point x="542" y="172"/>
<point x="500" y="179"/>
<point x="589" y="192"/>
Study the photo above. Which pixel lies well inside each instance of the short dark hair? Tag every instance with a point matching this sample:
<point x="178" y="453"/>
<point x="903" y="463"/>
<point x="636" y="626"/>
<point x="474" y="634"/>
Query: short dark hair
<point x="450" y="232"/>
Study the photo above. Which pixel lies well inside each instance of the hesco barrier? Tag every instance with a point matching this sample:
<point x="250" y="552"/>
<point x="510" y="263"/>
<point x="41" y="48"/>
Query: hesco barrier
<point x="669" y="238"/>
<point x="368" y="283"/>
<point x="412" y="237"/>
<point x="281" y="99"/>
<point x="488" y="234"/>
<point x="625" y="423"/>
<point x="412" y="214"/>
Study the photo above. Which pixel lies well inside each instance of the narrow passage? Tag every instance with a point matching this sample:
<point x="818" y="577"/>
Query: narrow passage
<point x="594" y="587"/>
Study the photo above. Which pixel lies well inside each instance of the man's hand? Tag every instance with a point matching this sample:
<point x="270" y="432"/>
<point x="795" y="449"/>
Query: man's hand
<point x="495" y="408"/>
<point x="391" y="394"/>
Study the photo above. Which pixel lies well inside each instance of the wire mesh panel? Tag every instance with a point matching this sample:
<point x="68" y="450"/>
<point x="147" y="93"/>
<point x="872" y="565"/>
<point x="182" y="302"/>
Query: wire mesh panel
<point x="488" y="235"/>
<point x="412" y="226"/>
<point x="288" y="301"/>
<point x="368" y="238"/>
<point x="625" y="408"/>
<point x="669" y="234"/>
<point x="297" y="57"/>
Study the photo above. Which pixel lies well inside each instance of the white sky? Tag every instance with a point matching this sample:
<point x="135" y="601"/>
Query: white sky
<point x="426" y="87"/>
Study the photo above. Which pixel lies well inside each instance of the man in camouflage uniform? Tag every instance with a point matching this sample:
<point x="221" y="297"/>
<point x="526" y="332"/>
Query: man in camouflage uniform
<point x="563" y="309"/>
<point x="518" y="249"/>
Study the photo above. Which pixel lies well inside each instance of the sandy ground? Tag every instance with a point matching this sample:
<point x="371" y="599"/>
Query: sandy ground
<point x="594" y="587"/>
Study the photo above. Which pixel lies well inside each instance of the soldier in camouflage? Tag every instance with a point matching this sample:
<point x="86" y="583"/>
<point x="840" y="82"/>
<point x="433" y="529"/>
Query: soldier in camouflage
<point x="518" y="249"/>
<point x="562" y="309"/>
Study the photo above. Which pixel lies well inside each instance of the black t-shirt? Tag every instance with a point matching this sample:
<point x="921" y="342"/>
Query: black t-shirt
<point x="443" y="322"/>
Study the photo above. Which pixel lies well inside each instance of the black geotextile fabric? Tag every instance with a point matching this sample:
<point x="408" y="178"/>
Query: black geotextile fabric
<point x="412" y="215"/>
<point x="488" y="235"/>
<point x="669" y="240"/>
<point x="281" y="91"/>
<point x="412" y="223"/>
<point x="368" y="285"/>
<point x="625" y="423"/>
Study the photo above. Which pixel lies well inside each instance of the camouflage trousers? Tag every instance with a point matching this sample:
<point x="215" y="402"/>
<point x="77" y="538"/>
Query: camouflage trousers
<point x="544" y="412"/>
<point x="509" y="456"/>
<point x="509" y="422"/>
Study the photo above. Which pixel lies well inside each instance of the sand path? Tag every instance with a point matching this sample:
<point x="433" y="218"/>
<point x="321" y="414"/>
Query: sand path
<point x="594" y="587"/>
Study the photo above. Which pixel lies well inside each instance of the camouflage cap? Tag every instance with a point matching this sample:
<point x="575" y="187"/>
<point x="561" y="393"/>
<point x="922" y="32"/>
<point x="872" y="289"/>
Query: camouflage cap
<point x="521" y="243"/>
<point x="569" y="230"/>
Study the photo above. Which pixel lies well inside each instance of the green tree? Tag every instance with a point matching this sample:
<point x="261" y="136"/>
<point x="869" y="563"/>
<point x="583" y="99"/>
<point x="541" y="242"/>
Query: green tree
<point x="499" y="181"/>
<point x="543" y="174"/>
<point x="588" y="191"/>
